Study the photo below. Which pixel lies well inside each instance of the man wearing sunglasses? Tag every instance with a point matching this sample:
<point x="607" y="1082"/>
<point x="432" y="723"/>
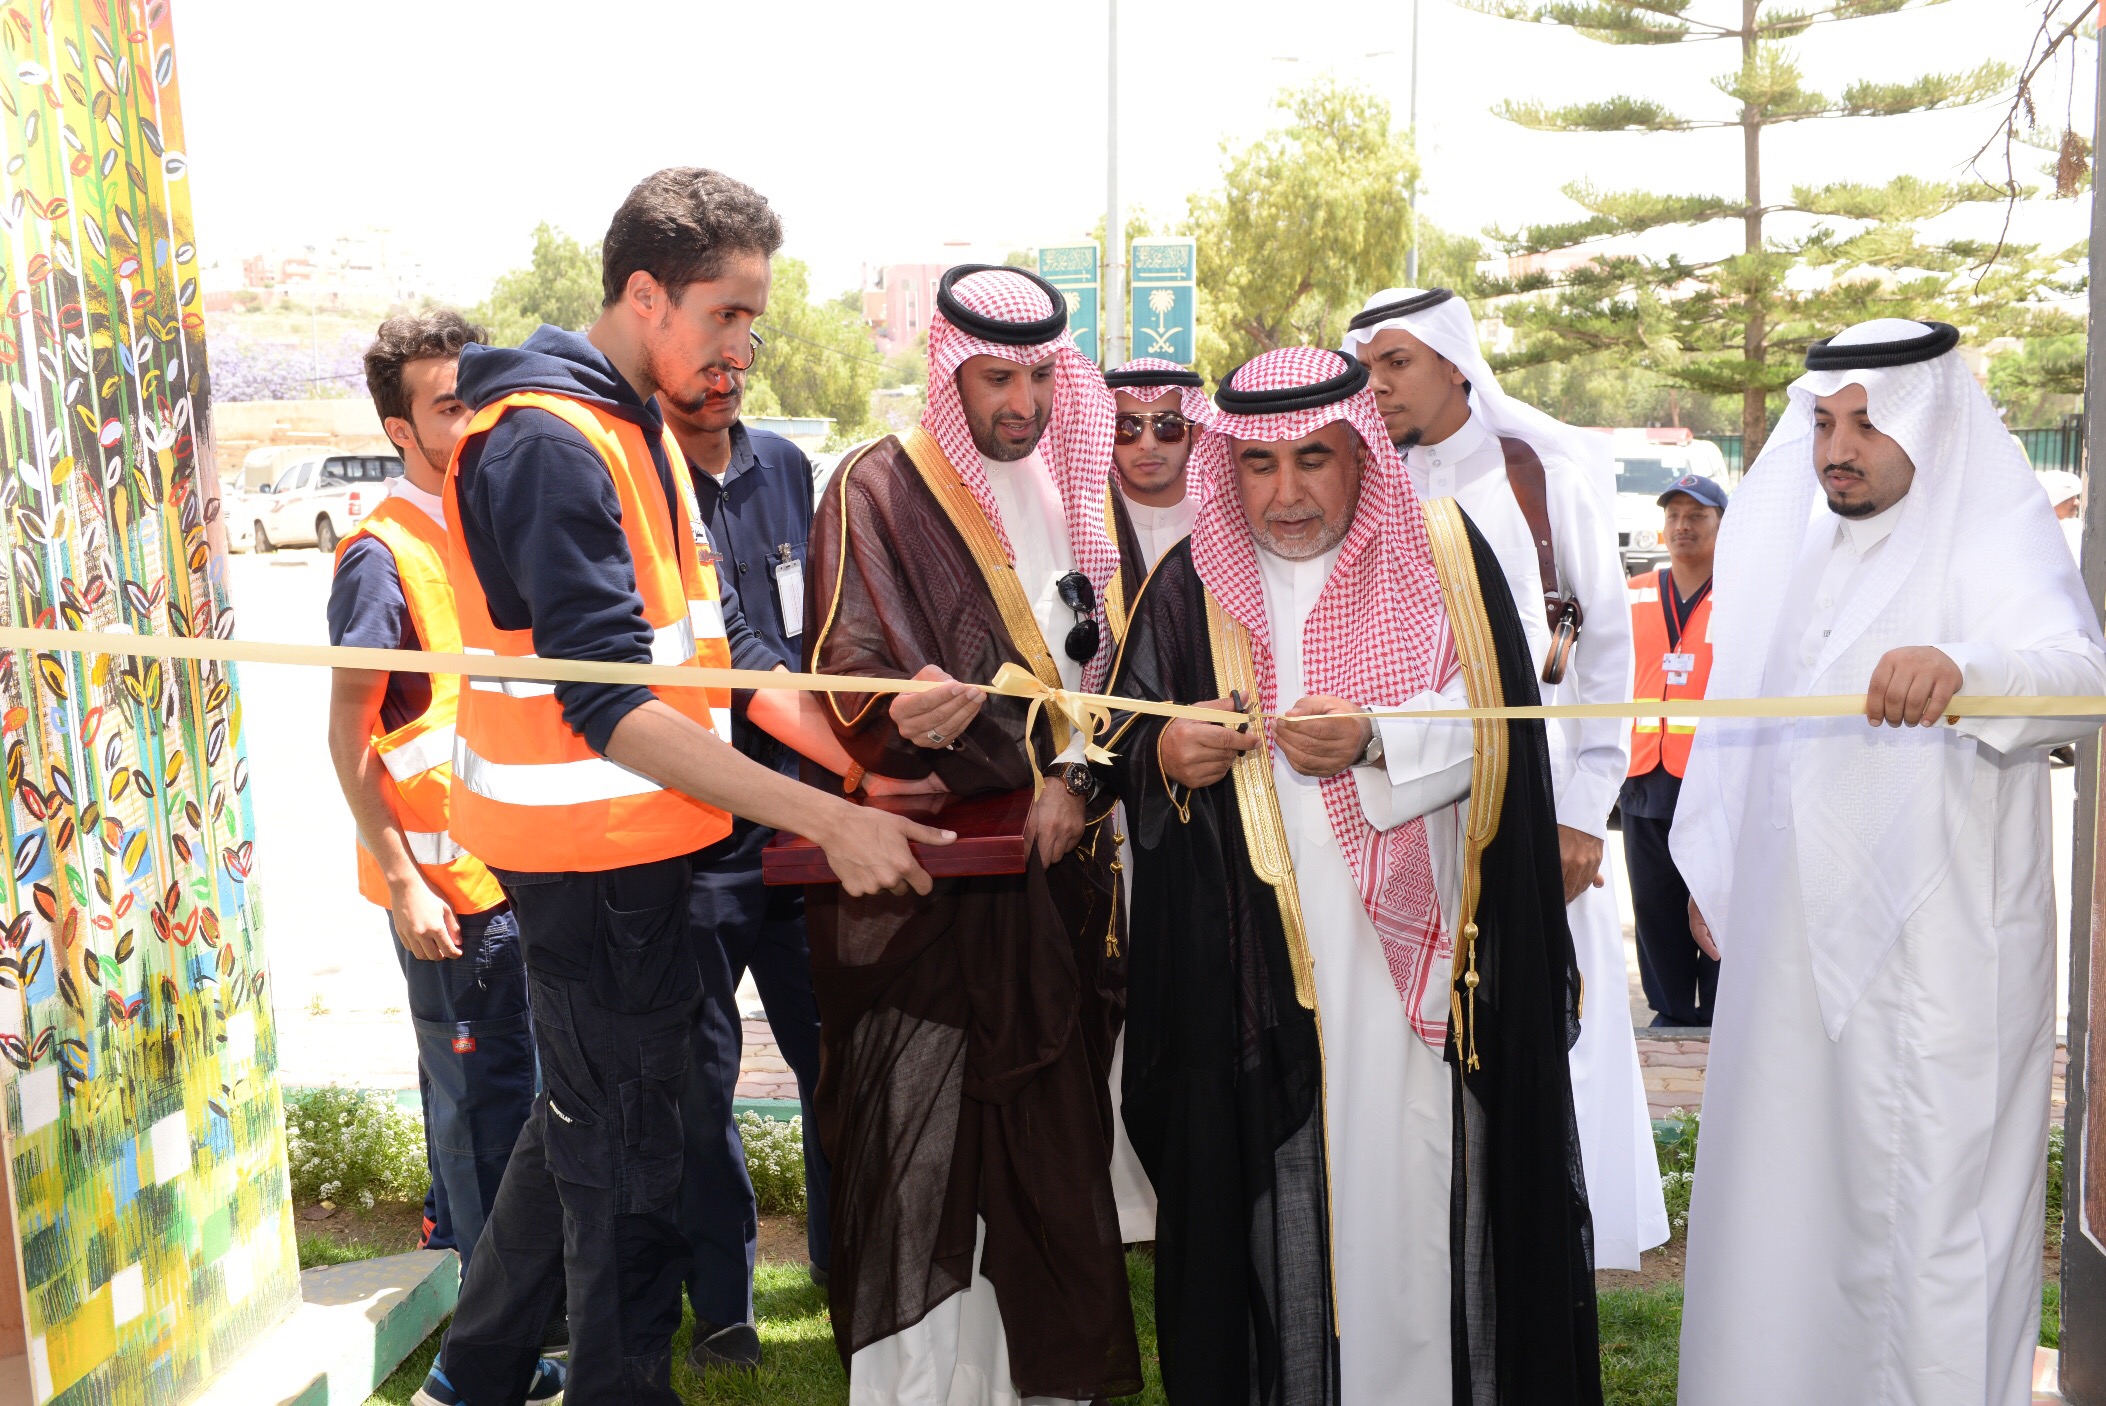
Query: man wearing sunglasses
<point x="967" y="1038"/>
<point x="1160" y="407"/>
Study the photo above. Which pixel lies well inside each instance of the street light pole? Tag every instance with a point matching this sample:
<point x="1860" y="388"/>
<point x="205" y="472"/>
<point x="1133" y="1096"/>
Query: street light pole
<point x="1411" y="258"/>
<point x="1113" y="339"/>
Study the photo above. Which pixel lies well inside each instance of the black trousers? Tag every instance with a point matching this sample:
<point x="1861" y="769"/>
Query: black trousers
<point x="738" y="925"/>
<point x="1680" y="981"/>
<point x="590" y="1198"/>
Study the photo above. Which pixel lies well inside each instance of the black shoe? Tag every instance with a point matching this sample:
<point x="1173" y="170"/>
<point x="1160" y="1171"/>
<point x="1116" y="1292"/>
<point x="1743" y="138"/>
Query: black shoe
<point x="732" y="1349"/>
<point x="817" y="1274"/>
<point x="555" y="1338"/>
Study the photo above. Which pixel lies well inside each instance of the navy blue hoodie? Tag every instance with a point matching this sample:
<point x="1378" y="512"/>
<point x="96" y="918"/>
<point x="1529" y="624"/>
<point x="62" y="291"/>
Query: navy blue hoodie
<point x="543" y="525"/>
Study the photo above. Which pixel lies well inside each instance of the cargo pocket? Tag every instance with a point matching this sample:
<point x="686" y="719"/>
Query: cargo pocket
<point x="652" y="1136"/>
<point x="579" y="1146"/>
<point x="642" y="963"/>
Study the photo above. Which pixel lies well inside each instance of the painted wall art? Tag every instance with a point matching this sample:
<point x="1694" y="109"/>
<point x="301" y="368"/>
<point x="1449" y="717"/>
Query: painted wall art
<point x="145" y="1138"/>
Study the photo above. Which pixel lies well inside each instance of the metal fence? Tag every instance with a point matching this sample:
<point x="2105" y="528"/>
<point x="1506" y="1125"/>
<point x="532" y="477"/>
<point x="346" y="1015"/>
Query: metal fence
<point x="1730" y="446"/>
<point x="2057" y="447"/>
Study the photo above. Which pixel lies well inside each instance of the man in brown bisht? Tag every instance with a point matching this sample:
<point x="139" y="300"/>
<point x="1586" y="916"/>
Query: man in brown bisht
<point x="967" y="1037"/>
<point x="1352" y="987"/>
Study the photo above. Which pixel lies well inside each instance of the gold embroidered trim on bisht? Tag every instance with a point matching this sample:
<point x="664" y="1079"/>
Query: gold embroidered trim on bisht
<point x="1264" y="832"/>
<point x="1115" y="613"/>
<point x="981" y="540"/>
<point x="833" y="607"/>
<point x="1463" y="595"/>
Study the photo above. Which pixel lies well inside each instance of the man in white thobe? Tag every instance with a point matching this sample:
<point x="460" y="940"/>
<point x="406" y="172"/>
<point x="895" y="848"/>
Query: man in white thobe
<point x="1866" y="1221"/>
<point x="1462" y="437"/>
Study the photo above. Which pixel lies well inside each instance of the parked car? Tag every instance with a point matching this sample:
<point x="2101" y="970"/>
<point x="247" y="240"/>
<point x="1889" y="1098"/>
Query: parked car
<point x="317" y="502"/>
<point x="1647" y="464"/>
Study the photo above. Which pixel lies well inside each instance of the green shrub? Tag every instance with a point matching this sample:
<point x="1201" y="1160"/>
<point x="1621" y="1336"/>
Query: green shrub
<point x="1674" y="1141"/>
<point x="2054" y="1184"/>
<point x="775" y="1162"/>
<point x="353" y="1145"/>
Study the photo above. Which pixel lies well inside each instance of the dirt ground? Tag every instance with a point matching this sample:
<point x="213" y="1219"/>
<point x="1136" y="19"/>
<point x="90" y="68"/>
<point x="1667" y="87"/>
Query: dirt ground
<point x="1655" y="1267"/>
<point x="392" y="1226"/>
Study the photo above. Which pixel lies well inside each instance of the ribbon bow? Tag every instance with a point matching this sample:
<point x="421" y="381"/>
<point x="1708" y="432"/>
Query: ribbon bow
<point x="1086" y="713"/>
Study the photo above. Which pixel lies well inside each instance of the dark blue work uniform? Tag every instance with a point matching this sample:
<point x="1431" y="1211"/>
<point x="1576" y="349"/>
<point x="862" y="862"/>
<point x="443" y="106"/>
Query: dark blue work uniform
<point x="475" y="1053"/>
<point x="589" y="1205"/>
<point x="759" y="517"/>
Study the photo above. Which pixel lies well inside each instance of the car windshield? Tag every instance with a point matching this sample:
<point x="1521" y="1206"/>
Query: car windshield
<point x="362" y="470"/>
<point x="1652" y="476"/>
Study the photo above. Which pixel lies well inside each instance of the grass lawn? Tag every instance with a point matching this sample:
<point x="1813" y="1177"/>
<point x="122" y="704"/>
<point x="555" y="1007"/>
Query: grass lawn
<point x="1640" y="1337"/>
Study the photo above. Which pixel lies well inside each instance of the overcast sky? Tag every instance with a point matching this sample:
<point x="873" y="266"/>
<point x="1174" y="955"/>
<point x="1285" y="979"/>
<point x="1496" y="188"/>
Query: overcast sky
<point x="883" y="131"/>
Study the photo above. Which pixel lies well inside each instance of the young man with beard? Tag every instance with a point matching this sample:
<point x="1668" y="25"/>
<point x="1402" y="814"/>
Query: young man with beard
<point x="754" y="491"/>
<point x="1160" y="408"/>
<point x="1539" y="492"/>
<point x="391" y="737"/>
<point x="573" y="536"/>
<point x="976" y="1253"/>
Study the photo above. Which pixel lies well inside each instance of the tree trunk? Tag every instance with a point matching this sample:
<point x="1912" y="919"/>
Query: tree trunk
<point x="1754" y="398"/>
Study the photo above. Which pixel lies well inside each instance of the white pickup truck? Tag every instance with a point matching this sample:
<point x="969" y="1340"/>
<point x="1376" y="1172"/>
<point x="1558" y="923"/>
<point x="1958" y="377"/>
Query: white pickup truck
<point x="317" y="502"/>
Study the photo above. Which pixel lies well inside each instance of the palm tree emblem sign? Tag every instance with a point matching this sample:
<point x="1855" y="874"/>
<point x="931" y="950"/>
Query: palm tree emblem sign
<point x="1162" y="302"/>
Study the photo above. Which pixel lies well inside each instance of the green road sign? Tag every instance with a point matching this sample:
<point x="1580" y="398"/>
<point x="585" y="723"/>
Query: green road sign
<point x="1072" y="268"/>
<point x="1164" y="299"/>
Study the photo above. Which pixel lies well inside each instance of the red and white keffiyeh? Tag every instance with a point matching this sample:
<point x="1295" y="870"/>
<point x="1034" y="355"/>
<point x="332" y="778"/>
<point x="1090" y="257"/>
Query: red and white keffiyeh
<point x="1076" y="448"/>
<point x="1378" y="635"/>
<point x="1192" y="401"/>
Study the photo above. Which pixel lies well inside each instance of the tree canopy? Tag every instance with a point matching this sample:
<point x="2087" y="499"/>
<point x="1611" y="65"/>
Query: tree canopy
<point x="559" y="286"/>
<point x="1308" y="220"/>
<point x="1734" y="325"/>
<point x="819" y="359"/>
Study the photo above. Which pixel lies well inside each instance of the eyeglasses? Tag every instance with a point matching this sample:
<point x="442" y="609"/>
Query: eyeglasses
<point x="1169" y="426"/>
<point x="1078" y="595"/>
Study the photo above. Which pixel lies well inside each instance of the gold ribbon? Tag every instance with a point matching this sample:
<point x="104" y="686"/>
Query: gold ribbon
<point x="1088" y="711"/>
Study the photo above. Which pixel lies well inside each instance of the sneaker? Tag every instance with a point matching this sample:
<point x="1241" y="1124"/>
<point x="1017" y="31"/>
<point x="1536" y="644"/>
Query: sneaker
<point x="732" y="1349"/>
<point x="545" y="1390"/>
<point x="816" y="1275"/>
<point x="555" y="1338"/>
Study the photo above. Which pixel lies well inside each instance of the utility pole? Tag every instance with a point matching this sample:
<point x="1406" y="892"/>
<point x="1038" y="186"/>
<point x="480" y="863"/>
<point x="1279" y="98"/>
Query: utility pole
<point x="1114" y="301"/>
<point x="1411" y="257"/>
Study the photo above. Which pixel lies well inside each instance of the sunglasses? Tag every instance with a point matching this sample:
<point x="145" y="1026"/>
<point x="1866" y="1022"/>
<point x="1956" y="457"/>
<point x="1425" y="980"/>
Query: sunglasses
<point x="1078" y="595"/>
<point x="1169" y="426"/>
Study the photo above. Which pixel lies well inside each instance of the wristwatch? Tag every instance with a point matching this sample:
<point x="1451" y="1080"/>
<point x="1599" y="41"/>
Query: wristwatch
<point x="1373" y="755"/>
<point x="1077" y="777"/>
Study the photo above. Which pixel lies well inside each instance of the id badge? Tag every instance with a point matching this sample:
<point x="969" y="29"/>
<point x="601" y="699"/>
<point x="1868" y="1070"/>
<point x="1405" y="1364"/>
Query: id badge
<point x="789" y="594"/>
<point x="1684" y="664"/>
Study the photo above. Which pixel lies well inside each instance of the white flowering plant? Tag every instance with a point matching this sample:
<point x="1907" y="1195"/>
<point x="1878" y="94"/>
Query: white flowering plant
<point x="775" y="1162"/>
<point x="348" y="1145"/>
<point x="1674" y="1140"/>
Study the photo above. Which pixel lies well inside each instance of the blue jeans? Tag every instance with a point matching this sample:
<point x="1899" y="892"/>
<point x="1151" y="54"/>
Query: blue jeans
<point x="475" y="1071"/>
<point x="738" y="924"/>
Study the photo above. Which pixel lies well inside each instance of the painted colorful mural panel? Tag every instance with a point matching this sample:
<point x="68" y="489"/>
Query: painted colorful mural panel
<point x="145" y="1136"/>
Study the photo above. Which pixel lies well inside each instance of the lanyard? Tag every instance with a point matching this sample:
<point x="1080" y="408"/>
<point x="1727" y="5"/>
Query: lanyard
<point x="1668" y="603"/>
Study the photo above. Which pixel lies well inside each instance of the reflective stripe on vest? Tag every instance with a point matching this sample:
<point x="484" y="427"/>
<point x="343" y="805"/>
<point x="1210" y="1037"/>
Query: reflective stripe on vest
<point x="1665" y="740"/>
<point x="529" y="794"/>
<point x="418" y="756"/>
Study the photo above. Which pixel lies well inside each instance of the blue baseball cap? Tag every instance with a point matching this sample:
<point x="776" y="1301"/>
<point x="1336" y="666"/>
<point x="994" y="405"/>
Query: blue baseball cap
<point x="1707" y="491"/>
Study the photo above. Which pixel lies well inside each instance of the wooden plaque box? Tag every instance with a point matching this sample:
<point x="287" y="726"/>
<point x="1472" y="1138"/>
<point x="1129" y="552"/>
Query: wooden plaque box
<point x="990" y="832"/>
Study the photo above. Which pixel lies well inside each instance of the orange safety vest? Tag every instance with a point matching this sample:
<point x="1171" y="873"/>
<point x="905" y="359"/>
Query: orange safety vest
<point x="418" y="756"/>
<point x="528" y="793"/>
<point x="1665" y="740"/>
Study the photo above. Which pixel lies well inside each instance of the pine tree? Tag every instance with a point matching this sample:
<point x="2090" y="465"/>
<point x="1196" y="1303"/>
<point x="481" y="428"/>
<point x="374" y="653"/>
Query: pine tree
<point x="1733" y="326"/>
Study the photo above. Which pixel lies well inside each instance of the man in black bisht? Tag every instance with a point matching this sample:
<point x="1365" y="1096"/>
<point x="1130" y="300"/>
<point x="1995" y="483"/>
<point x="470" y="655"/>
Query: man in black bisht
<point x="1343" y="1216"/>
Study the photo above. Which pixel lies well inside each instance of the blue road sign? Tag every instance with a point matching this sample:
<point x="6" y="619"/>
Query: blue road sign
<point x="1072" y="268"/>
<point x="1164" y="299"/>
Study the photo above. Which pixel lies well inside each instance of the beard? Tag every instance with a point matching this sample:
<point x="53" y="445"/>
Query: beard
<point x="1865" y="508"/>
<point x="1002" y="451"/>
<point x="1324" y="541"/>
<point x="1410" y="439"/>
